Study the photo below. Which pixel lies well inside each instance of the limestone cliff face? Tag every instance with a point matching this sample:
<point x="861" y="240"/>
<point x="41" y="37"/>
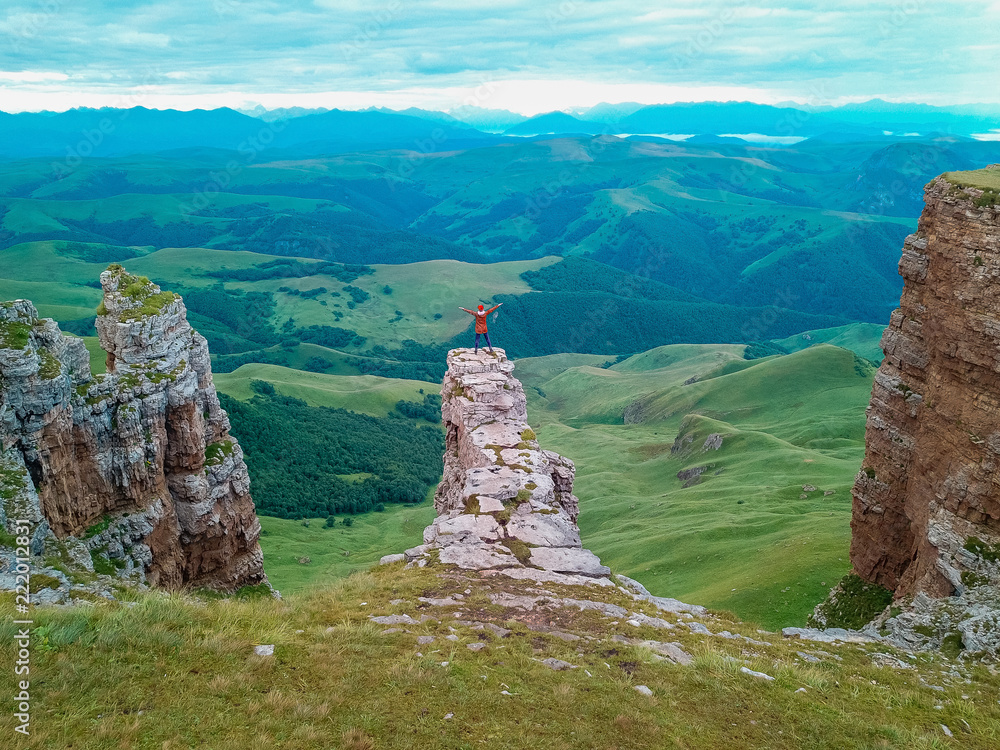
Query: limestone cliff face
<point x="137" y="465"/>
<point x="503" y="502"/>
<point x="926" y="515"/>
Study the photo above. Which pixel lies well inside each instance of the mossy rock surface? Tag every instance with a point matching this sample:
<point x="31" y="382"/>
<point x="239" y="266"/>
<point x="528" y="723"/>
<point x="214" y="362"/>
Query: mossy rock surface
<point x="14" y="334"/>
<point x="988" y="552"/>
<point x="852" y="604"/>
<point x="216" y="453"/>
<point x="148" y="298"/>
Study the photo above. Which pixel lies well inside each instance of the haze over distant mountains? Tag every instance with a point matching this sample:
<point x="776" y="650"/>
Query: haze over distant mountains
<point x="301" y="132"/>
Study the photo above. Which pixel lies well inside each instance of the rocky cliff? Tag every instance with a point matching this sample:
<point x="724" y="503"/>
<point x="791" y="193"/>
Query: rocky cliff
<point x="133" y="470"/>
<point x="926" y="514"/>
<point x="503" y="503"/>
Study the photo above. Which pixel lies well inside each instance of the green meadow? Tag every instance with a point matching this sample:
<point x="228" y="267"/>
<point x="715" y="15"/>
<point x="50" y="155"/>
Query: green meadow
<point x="178" y="670"/>
<point x="299" y="557"/>
<point x="739" y="538"/>
<point x="860" y="338"/>
<point x="366" y="394"/>
<point x="416" y="301"/>
<point x="742" y="538"/>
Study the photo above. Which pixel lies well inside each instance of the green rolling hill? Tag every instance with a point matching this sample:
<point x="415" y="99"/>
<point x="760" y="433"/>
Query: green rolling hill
<point x="337" y="279"/>
<point x="861" y="338"/>
<point x="741" y="537"/>
<point x="366" y="394"/>
<point x="814" y="227"/>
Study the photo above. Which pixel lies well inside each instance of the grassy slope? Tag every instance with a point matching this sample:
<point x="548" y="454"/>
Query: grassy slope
<point x="55" y="282"/>
<point x="372" y="536"/>
<point x="583" y="397"/>
<point x="170" y="672"/>
<point x="860" y="338"/>
<point x="189" y="265"/>
<point x="781" y="553"/>
<point x="366" y="394"/>
<point x="742" y="539"/>
<point x="419" y="291"/>
<point x="98" y="357"/>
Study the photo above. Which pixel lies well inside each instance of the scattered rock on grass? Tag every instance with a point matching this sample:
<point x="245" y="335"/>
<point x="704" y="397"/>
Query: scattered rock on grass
<point x="557" y="664"/>
<point x="758" y="675"/>
<point x="393" y="620"/>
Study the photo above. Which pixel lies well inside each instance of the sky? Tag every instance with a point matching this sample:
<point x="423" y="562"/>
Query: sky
<point x="528" y="56"/>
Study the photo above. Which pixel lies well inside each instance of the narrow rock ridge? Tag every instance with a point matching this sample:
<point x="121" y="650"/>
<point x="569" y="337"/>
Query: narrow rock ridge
<point x="136" y="466"/>
<point x="503" y="503"/>
<point x="926" y="513"/>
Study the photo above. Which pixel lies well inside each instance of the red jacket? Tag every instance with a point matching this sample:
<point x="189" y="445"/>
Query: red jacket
<point x="480" y="316"/>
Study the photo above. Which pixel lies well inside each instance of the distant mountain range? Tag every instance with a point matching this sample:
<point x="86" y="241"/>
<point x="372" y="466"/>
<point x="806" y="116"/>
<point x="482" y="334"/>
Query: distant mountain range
<point x="558" y="122"/>
<point x="79" y="133"/>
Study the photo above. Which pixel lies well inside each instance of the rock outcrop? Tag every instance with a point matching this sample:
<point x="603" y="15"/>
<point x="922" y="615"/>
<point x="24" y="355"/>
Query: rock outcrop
<point x="926" y="514"/>
<point x="136" y="467"/>
<point x="503" y="502"/>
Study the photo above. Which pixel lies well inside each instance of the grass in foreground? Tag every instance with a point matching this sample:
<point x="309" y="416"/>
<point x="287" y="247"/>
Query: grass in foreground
<point x="170" y="671"/>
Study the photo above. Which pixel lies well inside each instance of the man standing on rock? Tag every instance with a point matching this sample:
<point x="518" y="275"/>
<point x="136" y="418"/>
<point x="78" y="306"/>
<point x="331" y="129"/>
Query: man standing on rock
<point x="480" y="316"/>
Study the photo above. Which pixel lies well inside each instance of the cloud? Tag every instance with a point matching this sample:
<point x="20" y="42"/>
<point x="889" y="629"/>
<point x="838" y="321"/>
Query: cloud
<point x="32" y="76"/>
<point x="131" y="38"/>
<point x="788" y="49"/>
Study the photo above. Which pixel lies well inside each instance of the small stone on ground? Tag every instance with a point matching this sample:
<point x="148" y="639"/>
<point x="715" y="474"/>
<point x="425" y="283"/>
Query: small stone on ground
<point x="557" y="664"/>
<point x="758" y="675"/>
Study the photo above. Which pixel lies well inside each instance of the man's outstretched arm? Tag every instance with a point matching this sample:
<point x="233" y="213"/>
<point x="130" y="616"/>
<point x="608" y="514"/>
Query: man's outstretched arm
<point x="468" y="311"/>
<point x="493" y="308"/>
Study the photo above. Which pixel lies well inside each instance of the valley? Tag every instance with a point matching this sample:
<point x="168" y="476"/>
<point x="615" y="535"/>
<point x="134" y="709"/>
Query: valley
<point x="634" y="271"/>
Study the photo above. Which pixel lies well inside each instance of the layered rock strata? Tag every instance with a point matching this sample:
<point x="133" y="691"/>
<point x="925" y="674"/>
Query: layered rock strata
<point x="926" y="513"/>
<point x="503" y="503"/>
<point x="136" y="466"/>
<point x="930" y="479"/>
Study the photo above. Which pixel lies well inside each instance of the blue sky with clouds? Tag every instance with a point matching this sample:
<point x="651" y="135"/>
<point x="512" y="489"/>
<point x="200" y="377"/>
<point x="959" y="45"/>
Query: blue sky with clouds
<point x="524" y="55"/>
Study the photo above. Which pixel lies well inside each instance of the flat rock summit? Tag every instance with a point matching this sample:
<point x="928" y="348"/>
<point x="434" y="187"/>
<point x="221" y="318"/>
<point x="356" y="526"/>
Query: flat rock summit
<point x="504" y="503"/>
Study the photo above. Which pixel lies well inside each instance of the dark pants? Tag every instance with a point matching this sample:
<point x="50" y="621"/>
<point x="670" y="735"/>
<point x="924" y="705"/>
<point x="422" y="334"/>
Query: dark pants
<point x="487" y="342"/>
